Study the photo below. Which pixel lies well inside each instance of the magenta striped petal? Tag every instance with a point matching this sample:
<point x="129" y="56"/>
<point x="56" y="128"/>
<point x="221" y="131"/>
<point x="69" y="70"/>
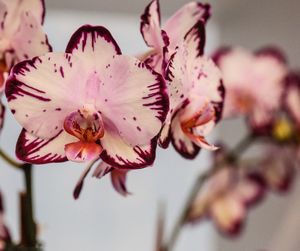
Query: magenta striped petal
<point x="150" y="26"/>
<point x="120" y="154"/>
<point x="118" y="179"/>
<point x="102" y="169"/>
<point x="184" y="19"/>
<point x="36" y="92"/>
<point x="94" y="45"/>
<point x="29" y="40"/>
<point x="41" y="151"/>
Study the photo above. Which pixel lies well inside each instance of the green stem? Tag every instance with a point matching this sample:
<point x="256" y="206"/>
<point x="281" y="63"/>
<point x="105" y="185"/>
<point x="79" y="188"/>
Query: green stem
<point x="9" y="160"/>
<point x="28" y="224"/>
<point x="233" y="155"/>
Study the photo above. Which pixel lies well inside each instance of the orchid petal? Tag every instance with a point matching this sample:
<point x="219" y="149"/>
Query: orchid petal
<point x="41" y="151"/>
<point x="15" y="8"/>
<point x="292" y="97"/>
<point x="184" y="19"/>
<point x="38" y="92"/>
<point x="137" y="110"/>
<point x="83" y="151"/>
<point x="181" y="142"/>
<point x="3" y="14"/>
<point x="150" y="26"/>
<point x="118" y="153"/>
<point x="102" y="169"/>
<point x="164" y="135"/>
<point x="94" y="45"/>
<point x="80" y="182"/>
<point x="228" y="213"/>
<point x="30" y="40"/>
<point x="118" y="179"/>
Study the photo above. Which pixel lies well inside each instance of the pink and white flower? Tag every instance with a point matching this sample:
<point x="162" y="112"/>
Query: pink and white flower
<point x="277" y="168"/>
<point x="4" y="232"/>
<point x="254" y="83"/>
<point x="225" y="198"/>
<point x="163" y="41"/>
<point x="87" y="103"/>
<point x="196" y="96"/>
<point x="21" y="35"/>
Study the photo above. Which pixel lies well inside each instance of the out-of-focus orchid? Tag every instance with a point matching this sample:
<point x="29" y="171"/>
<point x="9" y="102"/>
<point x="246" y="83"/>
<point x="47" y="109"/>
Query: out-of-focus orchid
<point x="163" y="41"/>
<point x="292" y="97"/>
<point x="225" y="198"/>
<point x="4" y="232"/>
<point x="87" y="103"/>
<point x="254" y="83"/>
<point x="21" y="36"/>
<point x="196" y="95"/>
<point x="278" y="166"/>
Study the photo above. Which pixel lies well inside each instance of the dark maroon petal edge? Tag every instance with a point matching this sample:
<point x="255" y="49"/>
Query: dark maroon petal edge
<point x="146" y="16"/>
<point x="23" y="151"/>
<point x="95" y="32"/>
<point x="148" y="158"/>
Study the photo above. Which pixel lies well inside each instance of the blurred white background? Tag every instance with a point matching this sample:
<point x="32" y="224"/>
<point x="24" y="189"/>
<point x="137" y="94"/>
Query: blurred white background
<point x="101" y="219"/>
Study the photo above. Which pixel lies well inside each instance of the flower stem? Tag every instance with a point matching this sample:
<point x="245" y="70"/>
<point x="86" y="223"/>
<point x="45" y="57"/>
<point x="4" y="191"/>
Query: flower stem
<point x="28" y="226"/>
<point x="9" y="160"/>
<point x="233" y="155"/>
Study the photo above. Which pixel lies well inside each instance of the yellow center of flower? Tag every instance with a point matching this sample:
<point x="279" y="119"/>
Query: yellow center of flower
<point x="282" y="130"/>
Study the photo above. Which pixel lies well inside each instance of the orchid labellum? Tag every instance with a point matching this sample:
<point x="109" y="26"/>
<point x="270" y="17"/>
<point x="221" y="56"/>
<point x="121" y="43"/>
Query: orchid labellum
<point x="21" y="35"/>
<point x="164" y="40"/>
<point x="254" y="83"/>
<point x="225" y="199"/>
<point x="87" y="103"/>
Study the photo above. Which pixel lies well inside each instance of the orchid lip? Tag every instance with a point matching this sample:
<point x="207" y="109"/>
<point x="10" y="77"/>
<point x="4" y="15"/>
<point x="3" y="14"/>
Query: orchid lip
<point x="85" y="124"/>
<point x="199" y="118"/>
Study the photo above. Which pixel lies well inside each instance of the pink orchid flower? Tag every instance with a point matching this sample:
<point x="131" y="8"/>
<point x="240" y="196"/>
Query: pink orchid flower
<point x="196" y="96"/>
<point x="292" y="97"/>
<point x="21" y="36"/>
<point x="87" y="103"/>
<point x="225" y="198"/>
<point x="278" y="167"/>
<point x="164" y="40"/>
<point x="253" y="83"/>
<point x="4" y="232"/>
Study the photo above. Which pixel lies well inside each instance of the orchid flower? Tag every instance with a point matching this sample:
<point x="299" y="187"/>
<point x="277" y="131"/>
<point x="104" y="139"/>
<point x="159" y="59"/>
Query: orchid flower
<point x="196" y="96"/>
<point x="277" y="167"/>
<point x="225" y="198"/>
<point x="164" y="40"/>
<point x="253" y="83"/>
<point x="21" y="36"/>
<point x="292" y="97"/>
<point x="4" y="232"/>
<point x="88" y="103"/>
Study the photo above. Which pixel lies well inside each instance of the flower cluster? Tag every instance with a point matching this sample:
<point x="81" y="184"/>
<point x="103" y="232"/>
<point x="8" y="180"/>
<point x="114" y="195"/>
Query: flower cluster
<point x="91" y="103"/>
